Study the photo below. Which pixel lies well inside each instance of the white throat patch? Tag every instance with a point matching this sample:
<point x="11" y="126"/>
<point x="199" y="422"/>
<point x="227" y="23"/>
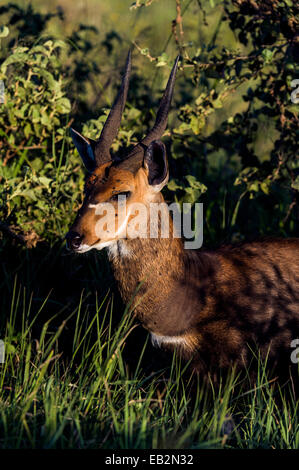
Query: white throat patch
<point x="159" y="340"/>
<point x="118" y="249"/>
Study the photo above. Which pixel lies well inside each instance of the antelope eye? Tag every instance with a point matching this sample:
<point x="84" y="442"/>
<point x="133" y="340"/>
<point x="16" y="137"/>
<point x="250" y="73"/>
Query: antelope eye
<point x="125" y="194"/>
<point x="89" y="184"/>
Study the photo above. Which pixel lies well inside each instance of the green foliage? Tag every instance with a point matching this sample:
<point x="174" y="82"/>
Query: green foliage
<point x="35" y="95"/>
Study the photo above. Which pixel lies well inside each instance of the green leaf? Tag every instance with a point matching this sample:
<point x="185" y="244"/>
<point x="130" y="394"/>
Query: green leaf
<point x="63" y="105"/>
<point x="38" y="48"/>
<point x="51" y="82"/>
<point x="133" y="113"/>
<point x="35" y="114"/>
<point x="173" y="185"/>
<point x="27" y="130"/>
<point x="14" y="58"/>
<point x="9" y="348"/>
<point x="265" y="186"/>
<point x="44" y="181"/>
<point x="21" y="112"/>
<point x="49" y="44"/>
<point x="59" y="43"/>
<point x="4" y="31"/>
<point x="267" y="56"/>
<point x="46" y="121"/>
<point x="196" y="184"/>
<point x="28" y="194"/>
<point x="217" y="104"/>
<point x="162" y="60"/>
<point x="254" y="186"/>
<point x="197" y="123"/>
<point x="295" y="184"/>
<point x="191" y="195"/>
<point x="182" y="128"/>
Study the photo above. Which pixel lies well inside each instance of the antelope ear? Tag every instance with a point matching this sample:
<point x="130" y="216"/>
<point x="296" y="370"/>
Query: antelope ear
<point x="155" y="161"/>
<point x="85" y="148"/>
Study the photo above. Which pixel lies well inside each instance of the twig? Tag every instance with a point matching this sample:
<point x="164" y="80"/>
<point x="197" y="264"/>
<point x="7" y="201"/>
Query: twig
<point x="179" y="22"/>
<point x="179" y="19"/>
<point x="152" y="59"/>
<point x="291" y="206"/>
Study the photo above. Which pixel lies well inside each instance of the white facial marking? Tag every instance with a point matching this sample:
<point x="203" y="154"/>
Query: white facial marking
<point x="124" y="250"/>
<point x="121" y="232"/>
<point x="118" y="249"/>
<point x="115" y="248"/>
<point x="158" y="340"/>
<point x="83" y="248"/>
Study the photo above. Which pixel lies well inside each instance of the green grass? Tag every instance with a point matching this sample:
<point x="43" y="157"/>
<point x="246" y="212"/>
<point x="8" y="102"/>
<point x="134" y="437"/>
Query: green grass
<point x="91" y="398"/>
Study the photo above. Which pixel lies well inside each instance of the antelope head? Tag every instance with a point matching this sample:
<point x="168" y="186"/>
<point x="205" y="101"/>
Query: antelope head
<point x="136" y="178"/>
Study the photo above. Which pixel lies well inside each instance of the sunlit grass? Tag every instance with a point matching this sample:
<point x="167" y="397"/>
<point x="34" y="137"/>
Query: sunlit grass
<point x="93" y="400"/>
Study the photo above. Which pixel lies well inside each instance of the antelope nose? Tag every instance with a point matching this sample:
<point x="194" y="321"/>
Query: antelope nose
<point x="73" y="240"/>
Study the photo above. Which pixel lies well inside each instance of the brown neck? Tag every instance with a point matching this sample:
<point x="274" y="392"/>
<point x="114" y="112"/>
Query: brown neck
<point x="149" y="271"/>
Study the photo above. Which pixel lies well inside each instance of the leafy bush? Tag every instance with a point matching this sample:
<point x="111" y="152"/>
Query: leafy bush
<point x="32" y="126"/>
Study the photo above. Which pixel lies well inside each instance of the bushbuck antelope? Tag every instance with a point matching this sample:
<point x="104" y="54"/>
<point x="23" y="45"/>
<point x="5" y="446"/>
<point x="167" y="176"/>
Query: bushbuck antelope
<point x="214" y="306"/>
